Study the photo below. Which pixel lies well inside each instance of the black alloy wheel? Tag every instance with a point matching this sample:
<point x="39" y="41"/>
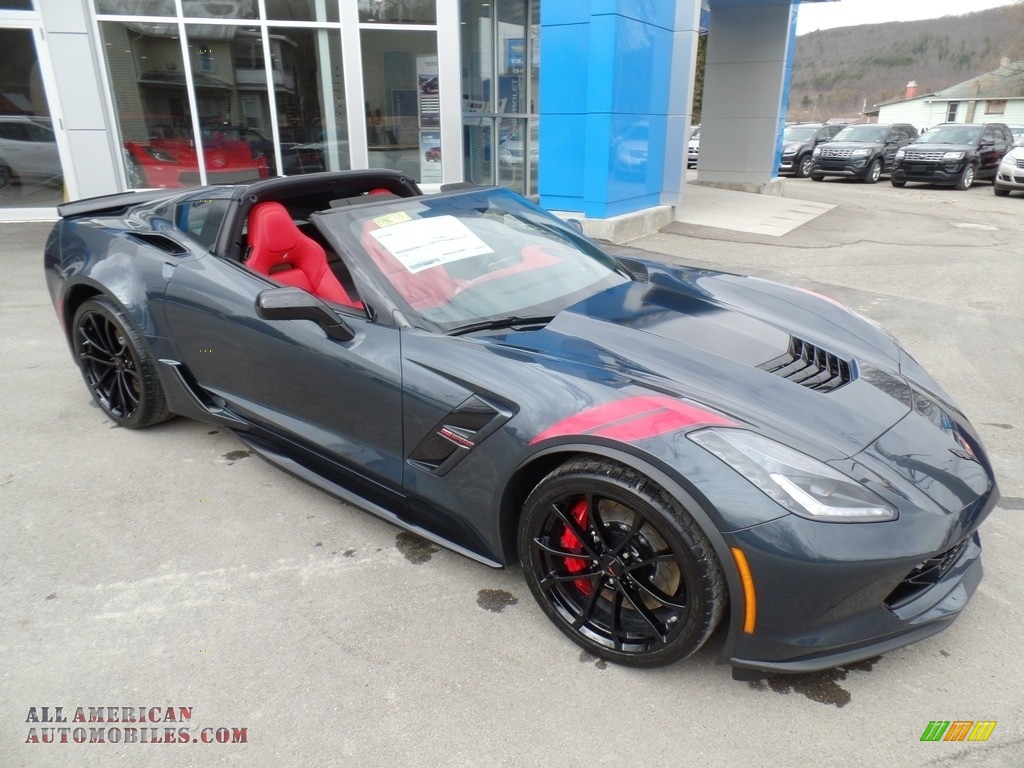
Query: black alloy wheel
<point x="618" y="565"/>
<point x="803" y="167"/>
<point x="116" y="365"/>
<point x="874" y="172"/>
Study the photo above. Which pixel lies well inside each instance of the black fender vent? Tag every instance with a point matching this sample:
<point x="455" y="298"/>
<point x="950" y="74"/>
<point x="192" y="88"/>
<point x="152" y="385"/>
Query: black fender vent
<point x="925" y="575"/>
<point x="457" y="434"/>
<point x="810" y="366"/>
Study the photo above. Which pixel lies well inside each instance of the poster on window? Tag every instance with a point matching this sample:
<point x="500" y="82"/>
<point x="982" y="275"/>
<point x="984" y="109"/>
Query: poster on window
<point x="430" y="100"/>
<point x="430" y="156"/>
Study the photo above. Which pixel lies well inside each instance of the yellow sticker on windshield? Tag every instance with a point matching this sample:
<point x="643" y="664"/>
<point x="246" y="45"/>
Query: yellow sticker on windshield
<point x="392" y="218"/>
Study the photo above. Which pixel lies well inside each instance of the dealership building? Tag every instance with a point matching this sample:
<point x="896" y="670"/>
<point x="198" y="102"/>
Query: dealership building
<point x="581" y="104"/>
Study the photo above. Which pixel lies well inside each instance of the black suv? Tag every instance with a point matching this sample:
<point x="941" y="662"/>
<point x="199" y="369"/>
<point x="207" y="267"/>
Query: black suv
<point x="953" y="153"/>
<point x="862" y="152"/>
<point x="798" y="141"/>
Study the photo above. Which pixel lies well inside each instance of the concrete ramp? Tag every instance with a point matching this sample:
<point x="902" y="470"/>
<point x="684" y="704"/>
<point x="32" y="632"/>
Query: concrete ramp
<point x="745" y="211"/>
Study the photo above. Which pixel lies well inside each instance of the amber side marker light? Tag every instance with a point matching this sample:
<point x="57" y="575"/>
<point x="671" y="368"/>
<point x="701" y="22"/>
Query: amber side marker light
<point x="749" y="598"/>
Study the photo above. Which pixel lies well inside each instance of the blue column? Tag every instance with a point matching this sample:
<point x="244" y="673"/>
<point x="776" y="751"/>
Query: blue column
<point x="604" y="101"/>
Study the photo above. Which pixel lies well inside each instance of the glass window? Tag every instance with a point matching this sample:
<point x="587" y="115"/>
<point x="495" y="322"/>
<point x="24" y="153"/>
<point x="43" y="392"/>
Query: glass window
<point x="501" y="69"/>
<point x="402" y="102"/>
<point x="136" y="7"/>
<point x="302" y="10"/>
<point x="16" y="5"/>
<point x="309" y="89"/>
<point x="995" y="107"/>
<point x="398" y="11"/>
<point x="30" y="169"/>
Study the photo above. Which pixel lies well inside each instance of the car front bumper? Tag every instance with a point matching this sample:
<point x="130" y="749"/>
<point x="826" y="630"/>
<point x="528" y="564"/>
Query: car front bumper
<point x="856" y="168"/>
<point x="1010" y="178"/>
<point x="930" y="173"/>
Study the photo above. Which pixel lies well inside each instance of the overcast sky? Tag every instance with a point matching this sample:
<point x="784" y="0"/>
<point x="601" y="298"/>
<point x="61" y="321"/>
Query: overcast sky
<point x="848" y="13"/>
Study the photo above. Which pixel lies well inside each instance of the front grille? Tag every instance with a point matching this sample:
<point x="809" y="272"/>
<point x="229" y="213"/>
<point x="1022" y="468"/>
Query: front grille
<point x="926" y="575"/>
<point x="1020" y="162"/>
<point x="810" y="366"/>
<point x="841" y="153"/>
<point x="919" y="155"/>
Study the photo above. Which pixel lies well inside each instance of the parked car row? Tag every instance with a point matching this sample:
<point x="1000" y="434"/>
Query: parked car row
<point x="955" y="154"/>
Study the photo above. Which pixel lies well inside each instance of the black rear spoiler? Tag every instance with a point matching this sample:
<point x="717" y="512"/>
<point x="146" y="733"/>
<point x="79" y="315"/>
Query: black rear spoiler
<point x="115" y="203"/>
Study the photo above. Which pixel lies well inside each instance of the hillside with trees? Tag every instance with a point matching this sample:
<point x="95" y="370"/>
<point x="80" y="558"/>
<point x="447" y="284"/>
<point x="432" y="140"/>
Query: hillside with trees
<point x="838" y="71"/>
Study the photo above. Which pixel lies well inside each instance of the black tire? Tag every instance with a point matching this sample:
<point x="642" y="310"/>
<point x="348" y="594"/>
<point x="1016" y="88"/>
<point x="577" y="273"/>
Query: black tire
<point x="817" y="177"/>
<point x="117" y="366"/>
<point x="6" y="175"/>
<point x="618" y="565"/>
<point x="1000" y="192"/>
<point x="897" y="183"/>
<point x="803" y="166"/>
<point x="966" y="177"/>
<point x="874" y="172"/>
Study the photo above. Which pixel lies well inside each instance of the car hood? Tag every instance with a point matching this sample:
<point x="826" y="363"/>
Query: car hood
<point x="852" y="144"/>
<point x="703" y="335"/>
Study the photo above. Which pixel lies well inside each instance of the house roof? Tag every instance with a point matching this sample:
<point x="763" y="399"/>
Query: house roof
<point x="1003" y="83"/>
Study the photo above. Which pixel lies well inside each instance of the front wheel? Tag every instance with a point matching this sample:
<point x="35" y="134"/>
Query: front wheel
<point x="817" y="177"/>
<point x="966" y="178"/>
<point x="116" y="366"/>
<point x="874" y="173"/>
<point x="803" y="167"/>
<point x="897" y="183"/>
<point x="619" y="565"/>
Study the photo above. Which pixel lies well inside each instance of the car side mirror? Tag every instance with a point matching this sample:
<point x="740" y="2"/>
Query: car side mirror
<point x="297" y="304"/>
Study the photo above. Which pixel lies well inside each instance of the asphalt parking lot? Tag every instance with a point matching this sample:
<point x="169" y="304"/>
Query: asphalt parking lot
<point x="169" y="568"/>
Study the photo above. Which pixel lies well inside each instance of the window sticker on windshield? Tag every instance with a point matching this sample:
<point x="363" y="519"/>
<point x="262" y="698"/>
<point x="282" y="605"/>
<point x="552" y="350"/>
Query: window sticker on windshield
<point x="423" y="243"/>
<point x="392" y="218"/>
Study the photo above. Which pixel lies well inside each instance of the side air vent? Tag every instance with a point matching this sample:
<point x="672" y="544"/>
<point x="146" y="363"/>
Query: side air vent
<point x="165" y="244"/>
<point x="926" y="575"/>
<point x="457" y="434"/>
<point x="810" y="366"/>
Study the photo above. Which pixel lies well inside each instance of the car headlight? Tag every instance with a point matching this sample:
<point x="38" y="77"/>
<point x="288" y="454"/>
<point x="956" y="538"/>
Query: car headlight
<point x="816" y="152"/>
<point x="900" y="154"/>
<point x="953" y="156"/>
<point x="159" y="155"/>
<point x="791" y="149"/>
<point x="800" y="484"/>
<point x="860" y="153"/>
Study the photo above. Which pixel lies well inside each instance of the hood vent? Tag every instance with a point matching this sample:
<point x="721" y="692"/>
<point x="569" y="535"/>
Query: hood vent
<point x="810" y="366"/>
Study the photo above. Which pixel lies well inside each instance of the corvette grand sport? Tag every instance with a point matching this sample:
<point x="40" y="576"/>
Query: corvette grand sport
<point x="664" y="449"/>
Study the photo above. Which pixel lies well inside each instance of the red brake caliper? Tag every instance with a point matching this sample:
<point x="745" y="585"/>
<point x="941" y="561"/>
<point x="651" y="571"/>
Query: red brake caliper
<point x="570" y="541"/>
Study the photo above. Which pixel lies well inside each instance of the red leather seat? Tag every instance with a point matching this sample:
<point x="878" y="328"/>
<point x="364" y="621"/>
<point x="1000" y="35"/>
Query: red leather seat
<point x="280" y="251"/>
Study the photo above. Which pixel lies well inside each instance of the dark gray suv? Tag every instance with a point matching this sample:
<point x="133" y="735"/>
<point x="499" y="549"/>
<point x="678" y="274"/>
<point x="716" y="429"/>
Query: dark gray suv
<point x="864" y="151"/>
<point x="798" y="141"/>
<point x="953" y="153"/>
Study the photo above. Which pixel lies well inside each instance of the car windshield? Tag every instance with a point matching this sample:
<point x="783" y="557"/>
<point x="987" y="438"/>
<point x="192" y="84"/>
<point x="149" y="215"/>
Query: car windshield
<point x="461" y="259"/>
<point x="799" y="133"/>
<point x="950" y="134"/>
<point x="867" y="133"/>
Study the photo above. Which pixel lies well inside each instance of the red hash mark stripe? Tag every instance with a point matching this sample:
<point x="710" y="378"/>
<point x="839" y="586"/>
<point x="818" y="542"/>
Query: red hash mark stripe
<point x="633" y="418"/>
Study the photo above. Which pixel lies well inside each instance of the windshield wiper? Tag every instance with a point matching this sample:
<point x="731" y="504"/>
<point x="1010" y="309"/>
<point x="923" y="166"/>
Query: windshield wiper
<point x="513" y="321"/>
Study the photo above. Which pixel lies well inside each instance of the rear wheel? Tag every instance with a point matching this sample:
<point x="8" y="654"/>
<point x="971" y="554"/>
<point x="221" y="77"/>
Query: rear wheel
<point x="116" y="366"/>
<point x="966" y="178"/>
<point x="618" y="565"/>
<point x="874" y="172"/>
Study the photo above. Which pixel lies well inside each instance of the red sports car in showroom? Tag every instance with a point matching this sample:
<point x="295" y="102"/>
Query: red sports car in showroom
<point x="175" y="162"/>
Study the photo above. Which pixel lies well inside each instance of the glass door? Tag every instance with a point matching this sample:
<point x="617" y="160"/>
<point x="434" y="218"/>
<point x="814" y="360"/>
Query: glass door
<point x="31" y="173"/>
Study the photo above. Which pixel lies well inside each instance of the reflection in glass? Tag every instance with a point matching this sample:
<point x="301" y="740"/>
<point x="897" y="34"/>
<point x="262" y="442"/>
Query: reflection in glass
<point x="302" y="10"/>
<point x="30" y="169"/>
<point x="312" y="125"/>
<point x="500" y="65"/>
<point x="199" y="9"/>
<point x="398" y="11"/>
<point x="402" y="102"/>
